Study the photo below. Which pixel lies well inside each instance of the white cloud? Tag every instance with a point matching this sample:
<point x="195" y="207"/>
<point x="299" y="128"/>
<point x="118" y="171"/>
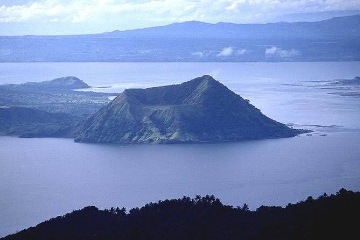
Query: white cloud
<point x="199" y="54"/>
<point x="228" y="51"/>
<point x="129" y="14"/>
<point x="79" y="11"/>
<point x="278" y="52"/>
<point x="242" y="51"/>
<point x="170" y="10"/>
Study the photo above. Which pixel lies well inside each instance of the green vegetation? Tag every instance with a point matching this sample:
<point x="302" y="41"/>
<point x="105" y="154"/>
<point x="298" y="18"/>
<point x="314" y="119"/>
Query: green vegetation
<point x="47" y="109"/>
<point x="27" y="122"/>
<point x="327" y="217"/>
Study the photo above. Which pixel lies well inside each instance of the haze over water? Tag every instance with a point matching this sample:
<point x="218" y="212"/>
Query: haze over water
<point x="43" y="178"/>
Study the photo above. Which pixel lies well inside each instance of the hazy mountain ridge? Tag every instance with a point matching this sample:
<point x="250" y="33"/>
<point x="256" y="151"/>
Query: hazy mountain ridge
<point x="200" y="110"/>
<point x="347" y="27"/>
<point x="317" y="16"/>
<point x="328" y="40"/>
<point x="326" y="217"/>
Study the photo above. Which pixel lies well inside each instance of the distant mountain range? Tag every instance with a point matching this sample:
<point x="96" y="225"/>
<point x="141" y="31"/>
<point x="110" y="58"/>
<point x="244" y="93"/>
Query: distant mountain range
<point x="201" y="110"/>
<point x="315" y="16"/>
<point x="336" y="28"/>
<point x="335" y="39"/>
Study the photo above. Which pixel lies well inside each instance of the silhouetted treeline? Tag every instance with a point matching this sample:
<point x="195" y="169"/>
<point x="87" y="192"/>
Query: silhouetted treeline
<point x="327" y="217"/>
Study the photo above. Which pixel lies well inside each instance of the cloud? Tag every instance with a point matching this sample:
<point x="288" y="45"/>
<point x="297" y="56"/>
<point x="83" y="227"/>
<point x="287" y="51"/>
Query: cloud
<point x="45" y="11"/>
<point x="228" y="51"/>
<point x="242" y="51"/>
<point x="168" y="10"/>
<point x="225" y="52"/>
<point x="81" y="10"/>
<point x="130" y="14"/>
<point x="278" y="52"/>
<point x="199" y="54"/>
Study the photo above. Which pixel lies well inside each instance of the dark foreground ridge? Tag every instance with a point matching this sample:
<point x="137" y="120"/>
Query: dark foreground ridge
<point x="327" y="217"/>
<point x="200" y="110"/>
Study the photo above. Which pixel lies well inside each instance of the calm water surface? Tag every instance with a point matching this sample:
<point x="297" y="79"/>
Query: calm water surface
<point x="43" y="178"/>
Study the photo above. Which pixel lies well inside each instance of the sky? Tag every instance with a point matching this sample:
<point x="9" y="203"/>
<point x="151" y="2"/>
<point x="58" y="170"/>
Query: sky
<point x="59" y="17"/>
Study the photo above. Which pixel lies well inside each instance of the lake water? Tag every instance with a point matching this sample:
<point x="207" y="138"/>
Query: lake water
<point x="43" y="178"/>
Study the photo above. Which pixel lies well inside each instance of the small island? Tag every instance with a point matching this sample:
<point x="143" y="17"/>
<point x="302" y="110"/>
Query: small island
<point x="201" y="110"/>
